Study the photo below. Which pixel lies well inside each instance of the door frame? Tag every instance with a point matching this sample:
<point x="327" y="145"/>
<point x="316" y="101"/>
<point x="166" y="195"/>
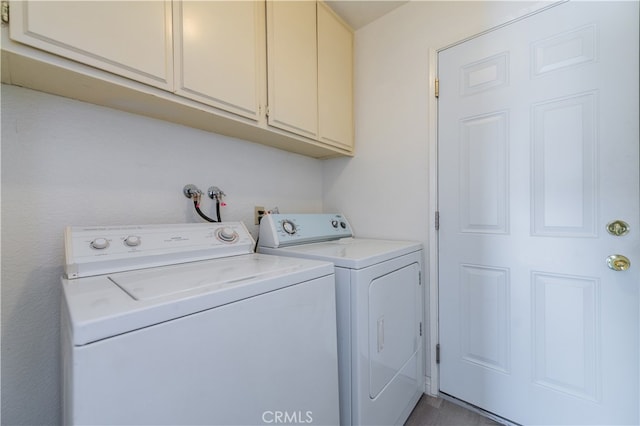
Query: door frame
<point x="432" y="384"/>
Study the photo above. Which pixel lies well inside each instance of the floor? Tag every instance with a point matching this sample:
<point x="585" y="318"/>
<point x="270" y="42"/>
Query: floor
<point x="439" y="412"/>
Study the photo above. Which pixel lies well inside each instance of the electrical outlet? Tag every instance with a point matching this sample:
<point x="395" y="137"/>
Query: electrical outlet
<point x="258" y="213"/>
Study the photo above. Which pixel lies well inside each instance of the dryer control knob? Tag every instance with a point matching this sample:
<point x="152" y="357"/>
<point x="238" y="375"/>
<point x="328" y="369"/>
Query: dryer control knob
<point x="100" y="243"/>
<point x="132" y="241"/>
<point x="289" y="227"/>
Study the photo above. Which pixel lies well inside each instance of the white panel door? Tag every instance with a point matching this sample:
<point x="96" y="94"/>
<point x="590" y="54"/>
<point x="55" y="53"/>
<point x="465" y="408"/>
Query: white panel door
<point x="538" y="152"/>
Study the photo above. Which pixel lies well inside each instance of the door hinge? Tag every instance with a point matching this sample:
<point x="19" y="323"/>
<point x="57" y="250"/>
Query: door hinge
<point x="266" y="110"/>
<point x="437" y="220"/>
<point x="5" y="12"/>
<point x="437" y="87"/>
<point x="419" y="277"/>
<point x="438" y="353"/>
<point x="420" y="328"/>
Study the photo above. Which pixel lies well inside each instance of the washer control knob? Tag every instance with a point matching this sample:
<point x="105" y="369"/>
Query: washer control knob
<point x="227" y="235"/>
<point x="343" y="225"/>
<point x="132" y="241"/>
<point x="334" y="223"/>
<point x="100" y="243"/>
<point x="289" y="227"/>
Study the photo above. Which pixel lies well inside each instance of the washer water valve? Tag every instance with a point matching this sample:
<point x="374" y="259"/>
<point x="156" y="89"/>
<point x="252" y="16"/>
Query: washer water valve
<point x="191" y="191"/>
<point x="194" y="193"/>
<point x="216" y="194"/>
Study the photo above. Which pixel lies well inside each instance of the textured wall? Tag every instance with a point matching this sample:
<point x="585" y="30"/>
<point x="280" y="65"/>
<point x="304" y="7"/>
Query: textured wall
<point x="70" y="163"/>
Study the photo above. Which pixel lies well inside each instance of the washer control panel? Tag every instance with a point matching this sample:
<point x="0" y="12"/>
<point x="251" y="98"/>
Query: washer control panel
<point x="107" y="249"/>
<point x="279" y="230"/>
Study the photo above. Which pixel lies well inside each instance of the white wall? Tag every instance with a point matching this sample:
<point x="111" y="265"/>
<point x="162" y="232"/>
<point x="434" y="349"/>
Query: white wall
<point x="384" y="189"/>
<point x="70" y="163"/>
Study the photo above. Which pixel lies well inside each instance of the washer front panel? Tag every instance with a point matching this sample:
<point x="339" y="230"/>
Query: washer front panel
<point x="239" y="364"/>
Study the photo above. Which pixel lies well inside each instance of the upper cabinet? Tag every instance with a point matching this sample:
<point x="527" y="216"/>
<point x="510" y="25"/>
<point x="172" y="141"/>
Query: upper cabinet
<point x="335" y="79"/>
<point x="310" y="67"/>
<point x="128" y="38"/>
<point x="274" y="72"/>
<point x="219" y="51"/>
<point x="293" y="66"/>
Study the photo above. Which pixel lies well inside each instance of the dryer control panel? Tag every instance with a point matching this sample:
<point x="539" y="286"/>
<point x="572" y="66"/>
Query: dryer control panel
<point x="281" y="230"/>
<point x="100" y="250"/>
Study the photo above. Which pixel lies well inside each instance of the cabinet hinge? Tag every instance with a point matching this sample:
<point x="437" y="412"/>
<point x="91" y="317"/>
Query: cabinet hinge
<point x="437" y="220"/>
<point x="266" y="110"/>
<point x="437" y="88"/>
<point x="438" y="353"/>
<point x="5" y="12"/>
<point x="419" y="277"/>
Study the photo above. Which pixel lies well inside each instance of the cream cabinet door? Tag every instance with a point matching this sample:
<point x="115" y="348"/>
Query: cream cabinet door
<point x="335" y="79"/>
<point x="220" y="54"/>
<point x="128" y="38"/>
<point x="292" y="67"/>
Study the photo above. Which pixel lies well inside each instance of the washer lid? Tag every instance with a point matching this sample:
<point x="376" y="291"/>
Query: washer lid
<point x="353" y="253"/>
<point x="107" y="305"/>
<point x="155" y="283"/>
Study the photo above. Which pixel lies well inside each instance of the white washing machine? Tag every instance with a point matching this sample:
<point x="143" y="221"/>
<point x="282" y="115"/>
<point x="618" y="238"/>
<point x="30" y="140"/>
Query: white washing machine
<point x="379" y="297"/>
<point x="185" y="325"/>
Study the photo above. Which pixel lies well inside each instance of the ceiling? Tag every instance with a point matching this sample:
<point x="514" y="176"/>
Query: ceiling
<point x="358" y="13"/>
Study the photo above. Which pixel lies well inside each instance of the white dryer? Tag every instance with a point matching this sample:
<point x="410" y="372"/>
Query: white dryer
<point x="184" y="324"/>
<point x="379" y="297"/>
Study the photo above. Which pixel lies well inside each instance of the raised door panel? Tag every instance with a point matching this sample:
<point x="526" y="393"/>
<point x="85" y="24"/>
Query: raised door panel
<point x="335" y="79"/>
<point x="131" y="38"/>
<point x="220" y="54"/>
<point x="292" y="67"/>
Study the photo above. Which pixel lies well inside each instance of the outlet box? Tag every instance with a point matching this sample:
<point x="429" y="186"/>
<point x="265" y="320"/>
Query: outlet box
<point x="258" y="212"/>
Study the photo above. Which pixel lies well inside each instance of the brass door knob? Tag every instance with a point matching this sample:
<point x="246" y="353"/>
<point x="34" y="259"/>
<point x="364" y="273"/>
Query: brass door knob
<point x="618" y="228"/>
<point x="618" y="262"/>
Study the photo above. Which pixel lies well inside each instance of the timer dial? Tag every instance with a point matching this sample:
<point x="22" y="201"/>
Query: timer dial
<point x="227" y="235"/>
<point x="289" y="227"/>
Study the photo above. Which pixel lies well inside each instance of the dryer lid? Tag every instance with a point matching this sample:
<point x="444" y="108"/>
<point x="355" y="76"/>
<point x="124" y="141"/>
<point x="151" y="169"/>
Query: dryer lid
<point x="352" y="253"/>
